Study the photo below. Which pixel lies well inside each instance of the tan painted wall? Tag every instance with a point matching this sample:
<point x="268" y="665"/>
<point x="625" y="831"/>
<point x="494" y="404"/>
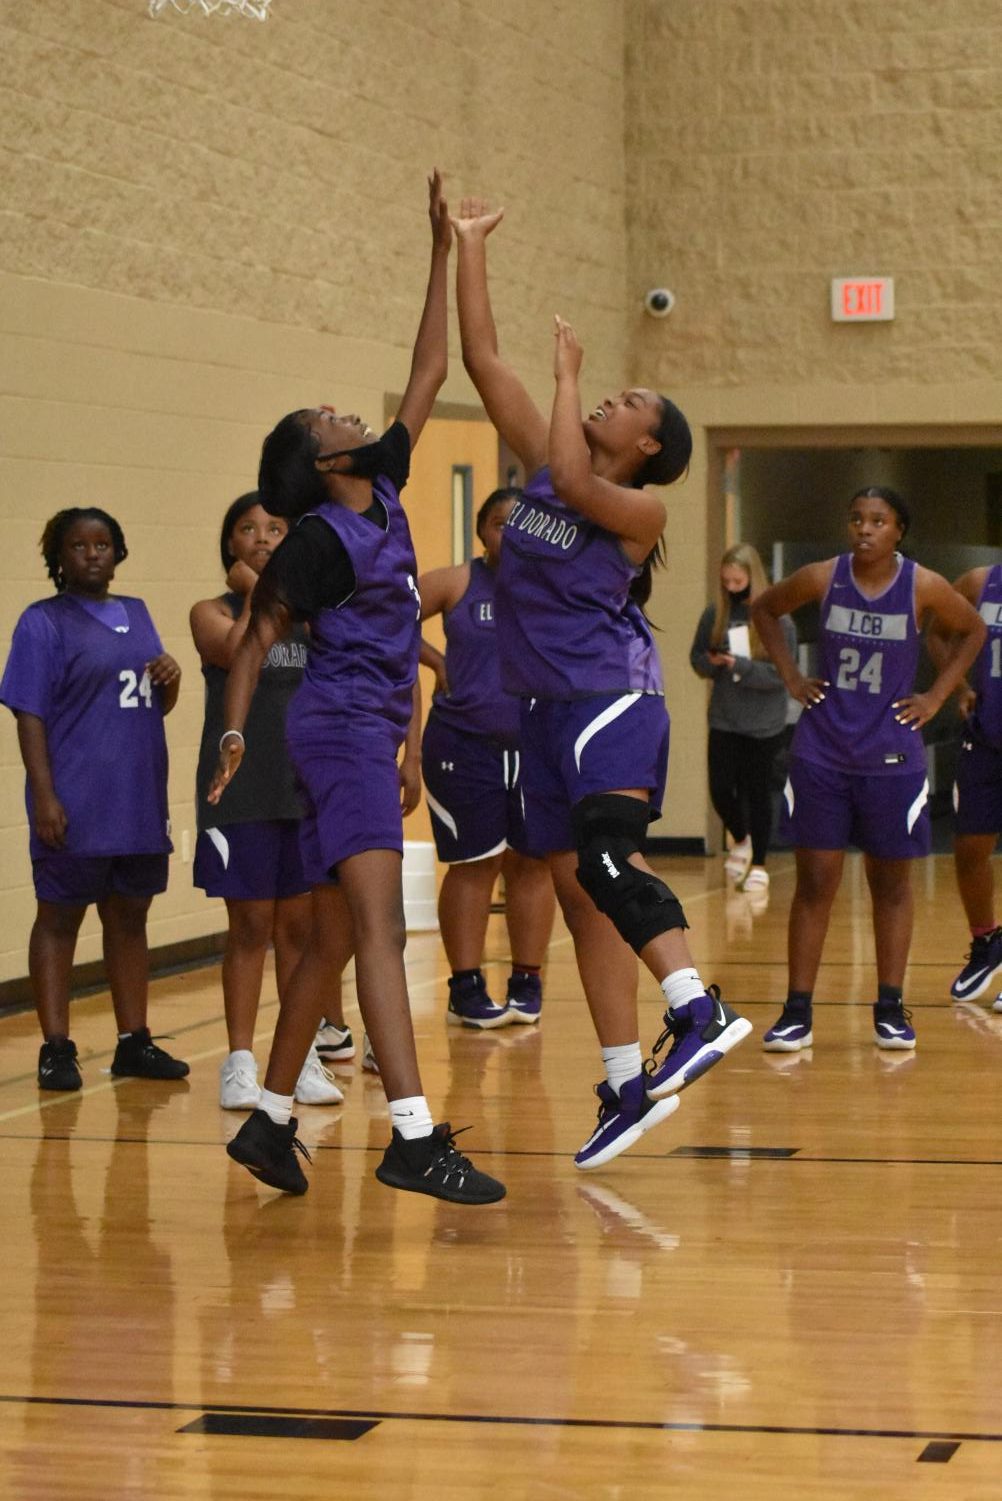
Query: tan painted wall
<point x="208" y="222"/>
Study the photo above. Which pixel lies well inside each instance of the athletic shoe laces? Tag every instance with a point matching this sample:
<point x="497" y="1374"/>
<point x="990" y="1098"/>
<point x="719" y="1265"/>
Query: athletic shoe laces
<point x="446" y="1158"/>
<point x="297" y="1146"/>
<point x="980" y="945"/>
<point x="678" y="1026"/>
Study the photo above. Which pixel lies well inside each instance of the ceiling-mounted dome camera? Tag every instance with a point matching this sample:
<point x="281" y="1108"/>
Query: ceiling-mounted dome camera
<point x="659" y="302"/>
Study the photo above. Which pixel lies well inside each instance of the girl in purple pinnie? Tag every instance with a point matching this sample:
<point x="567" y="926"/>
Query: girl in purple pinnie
<point x="577" y="650"/>
<point x="977" y="792"/>
<point x="857" y="772"/>
<point x="89" y="683"/>
<point x="348" y="569"/>
<point x="248" y="843"/>
<point x="470" y="759"/>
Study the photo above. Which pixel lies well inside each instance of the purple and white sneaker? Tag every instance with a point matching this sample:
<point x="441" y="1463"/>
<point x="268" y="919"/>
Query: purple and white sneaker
<point x="525" y="998"/>
<point x="790" y="1032"/>
<point x="892" y="1026"/>
<point x="622" y="1120"/>
<point x="702" y="1031"/>
<point x="471" y="1006"/>
<point x="984" y="961"/>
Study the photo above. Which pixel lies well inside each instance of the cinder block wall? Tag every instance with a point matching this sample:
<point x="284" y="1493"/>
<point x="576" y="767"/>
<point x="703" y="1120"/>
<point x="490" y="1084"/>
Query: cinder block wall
<point x="770" y="146"/>
<point x="208" y="222"/>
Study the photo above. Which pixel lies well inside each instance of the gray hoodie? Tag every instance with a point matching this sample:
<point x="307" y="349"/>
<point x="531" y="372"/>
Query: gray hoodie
<point x="748" y="699"/>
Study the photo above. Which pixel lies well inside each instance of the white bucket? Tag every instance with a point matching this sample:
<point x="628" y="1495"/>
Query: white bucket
<point x="420" y="887"/>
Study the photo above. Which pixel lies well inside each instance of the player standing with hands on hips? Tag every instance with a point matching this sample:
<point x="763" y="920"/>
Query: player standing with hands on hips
<point x="857" y="771"/>
<point x="977" y="792"/>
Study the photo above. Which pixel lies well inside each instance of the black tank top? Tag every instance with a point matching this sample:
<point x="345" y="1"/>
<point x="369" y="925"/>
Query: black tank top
<point x="264" y="787"/>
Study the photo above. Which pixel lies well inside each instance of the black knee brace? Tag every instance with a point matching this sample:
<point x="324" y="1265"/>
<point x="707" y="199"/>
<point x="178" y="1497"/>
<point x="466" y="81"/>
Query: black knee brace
<point x="608" y="829"/>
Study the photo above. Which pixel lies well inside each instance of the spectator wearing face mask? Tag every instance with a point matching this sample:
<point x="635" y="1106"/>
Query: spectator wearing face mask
<point x="747" y="714"/>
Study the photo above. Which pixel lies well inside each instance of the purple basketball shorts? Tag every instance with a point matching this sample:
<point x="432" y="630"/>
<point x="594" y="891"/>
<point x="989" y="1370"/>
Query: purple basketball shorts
<point x="471" y="786"/>
<point x="258" y="861"/>
<point x="612" y="742"/>
<point x="828" y="809"/>
<point x="78" y="880"/>
<point x="977" y="791"/>
<point x="351" y="788"/>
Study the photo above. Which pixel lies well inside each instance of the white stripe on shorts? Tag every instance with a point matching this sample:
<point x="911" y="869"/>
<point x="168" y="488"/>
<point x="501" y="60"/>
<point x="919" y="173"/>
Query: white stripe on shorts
<point x="601" y="720"/>
<point x="498" y="849"/>
<point x="918" y="805"/>
<point x="788" y="795"/>
<point x="218" y="839"/>
<point x="442" y="814"/>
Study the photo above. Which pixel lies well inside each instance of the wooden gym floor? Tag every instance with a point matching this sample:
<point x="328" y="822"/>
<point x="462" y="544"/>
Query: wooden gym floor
<point x="793" y="1288"/>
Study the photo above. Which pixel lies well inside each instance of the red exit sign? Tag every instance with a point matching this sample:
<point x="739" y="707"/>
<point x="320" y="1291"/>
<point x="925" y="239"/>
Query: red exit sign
<point x="862" y="299"/>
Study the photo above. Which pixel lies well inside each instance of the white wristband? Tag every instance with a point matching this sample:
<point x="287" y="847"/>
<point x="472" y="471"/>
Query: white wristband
<point x="226" y="735"/>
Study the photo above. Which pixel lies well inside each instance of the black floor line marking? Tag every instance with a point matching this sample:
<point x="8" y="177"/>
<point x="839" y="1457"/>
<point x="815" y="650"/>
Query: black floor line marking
<point x="690" y="1150"/>
<point x="790" y="1430"/>
<point x="275" y="1425"/>
<point x="758" y="1154"/>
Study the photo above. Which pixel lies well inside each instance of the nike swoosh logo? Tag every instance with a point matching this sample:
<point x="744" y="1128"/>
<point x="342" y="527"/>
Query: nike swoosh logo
<point x="721" y="1016"/>
<point x="786" y="1031"/>
<point x="976" y="979"/>
<point x="892" y="1031"/>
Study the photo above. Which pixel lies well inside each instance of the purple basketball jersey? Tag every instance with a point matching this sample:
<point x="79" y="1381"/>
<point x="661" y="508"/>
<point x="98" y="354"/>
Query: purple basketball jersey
<point x="104" y="727"/>
<point x="363" y="655"/>
<point x="986" y="722"/>
<point x="567" y="627"/>
<point x="869" y="650"/>
<point x="476" y="703"/>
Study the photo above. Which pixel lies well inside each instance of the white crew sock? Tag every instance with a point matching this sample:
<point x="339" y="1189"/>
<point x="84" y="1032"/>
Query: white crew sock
<point x="278" y="1107"/>
<point x="682" y="985"/>
<point x="411" y="1117"/>
<point x="243" y="1058"/>
<point x="622" y="1063"/>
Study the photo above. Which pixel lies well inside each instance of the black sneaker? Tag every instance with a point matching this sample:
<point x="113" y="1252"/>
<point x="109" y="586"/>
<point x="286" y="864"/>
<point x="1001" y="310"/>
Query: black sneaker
<point x="138" y="1057"/>
<point x="57" y="1065"/>
<point x="431" y="1165"/>
<point x="269" y="1152"/>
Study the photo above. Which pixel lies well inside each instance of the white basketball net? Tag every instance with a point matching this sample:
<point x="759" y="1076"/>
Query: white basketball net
<point x="257" y="10"/>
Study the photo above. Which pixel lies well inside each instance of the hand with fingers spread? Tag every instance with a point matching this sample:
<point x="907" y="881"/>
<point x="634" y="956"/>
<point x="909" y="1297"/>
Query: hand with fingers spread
<point x="476" y="219"/>
<point x="916" y="710"/>
<point x="807" y="691"/>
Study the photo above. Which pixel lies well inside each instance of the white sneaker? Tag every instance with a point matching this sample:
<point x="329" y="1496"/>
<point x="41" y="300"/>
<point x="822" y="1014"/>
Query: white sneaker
<point x="997" y="1003"/>
<point x="368" y="1056"/>
<point x="738" y="861"/>
<point x="757" y="879"/>
<point x="335" y="1044"/>
<point x="238" y="1086"/>
<point x="315" y="1086"/>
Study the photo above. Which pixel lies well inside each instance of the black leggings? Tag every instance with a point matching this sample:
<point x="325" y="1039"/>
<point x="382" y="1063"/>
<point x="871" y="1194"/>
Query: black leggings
<point x="741" y="786"/>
